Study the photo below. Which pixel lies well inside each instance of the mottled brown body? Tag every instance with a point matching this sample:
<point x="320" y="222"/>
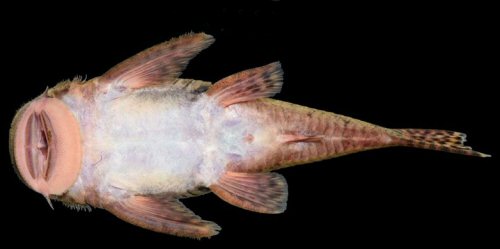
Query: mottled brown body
<point x="321" y="135"/>
<point x="138" y="138"/>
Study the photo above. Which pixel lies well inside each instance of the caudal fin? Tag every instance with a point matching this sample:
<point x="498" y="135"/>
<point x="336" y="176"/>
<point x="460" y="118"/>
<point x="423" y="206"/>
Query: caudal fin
<point x="440" y="140"/>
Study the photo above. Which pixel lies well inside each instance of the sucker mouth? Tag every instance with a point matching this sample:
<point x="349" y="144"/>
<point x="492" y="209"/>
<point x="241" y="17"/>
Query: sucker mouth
<point x="45" y="146"/>
<point x="39" y="143"/>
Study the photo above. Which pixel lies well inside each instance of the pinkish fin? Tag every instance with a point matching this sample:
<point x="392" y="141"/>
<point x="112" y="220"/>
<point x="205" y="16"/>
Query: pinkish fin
<point x="164" y="214"/>
<point x="248" y="85"/>
<point x="159" y="64"/>
<point x="258" y="192"/>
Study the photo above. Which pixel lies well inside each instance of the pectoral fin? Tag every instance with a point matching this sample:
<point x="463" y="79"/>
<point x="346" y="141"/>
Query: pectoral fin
<point x="248" y="85"/>
<point x="258" y="192"/>
<point x="159" y="64"/>
<point x="164" y="214"/>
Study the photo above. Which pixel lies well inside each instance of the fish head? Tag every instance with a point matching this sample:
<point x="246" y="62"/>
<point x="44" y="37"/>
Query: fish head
<point x="45" y="146"/>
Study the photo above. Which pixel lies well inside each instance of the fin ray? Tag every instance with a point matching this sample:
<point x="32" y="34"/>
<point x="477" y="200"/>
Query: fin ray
<point x="248" y="85"/>
<point x="164" y="214"/>
<point x="258" y="192"/>
<point x="440" y="140"/>
<point x="157" y="65"/>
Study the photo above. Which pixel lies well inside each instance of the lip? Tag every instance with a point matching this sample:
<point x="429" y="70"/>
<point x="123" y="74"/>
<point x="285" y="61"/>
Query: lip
<point x="46" y="146"/>
<point x="39" y="145"/>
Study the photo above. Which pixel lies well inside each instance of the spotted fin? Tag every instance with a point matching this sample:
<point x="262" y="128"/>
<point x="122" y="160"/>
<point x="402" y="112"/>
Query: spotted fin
<point x="164" y="214"/>
<point x="159" y="64"/>
<point x="258" y="192"/>
<point x="440" y="140"/>
<point x="248" y="85"/>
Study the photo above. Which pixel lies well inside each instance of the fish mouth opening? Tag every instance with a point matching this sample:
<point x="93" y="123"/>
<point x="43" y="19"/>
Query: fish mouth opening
<point x="39" y="146"/>
<point x="45" y="143"/>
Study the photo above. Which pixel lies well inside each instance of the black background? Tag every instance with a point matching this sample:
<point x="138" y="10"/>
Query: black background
<point x="419" y="66"/>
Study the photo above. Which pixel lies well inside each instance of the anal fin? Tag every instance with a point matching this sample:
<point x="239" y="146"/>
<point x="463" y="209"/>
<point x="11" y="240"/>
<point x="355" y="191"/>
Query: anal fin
<point x="258" y="192"/>
<point x="295" y="137"/>
<point x="164" y="214"/>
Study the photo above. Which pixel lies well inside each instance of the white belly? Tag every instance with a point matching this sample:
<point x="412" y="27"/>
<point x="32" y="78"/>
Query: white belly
<point x="148" y="145"/>
<point x="167" y="144"/>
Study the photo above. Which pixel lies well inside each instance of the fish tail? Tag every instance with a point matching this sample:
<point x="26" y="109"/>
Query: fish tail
<point x="440" y="140"/>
